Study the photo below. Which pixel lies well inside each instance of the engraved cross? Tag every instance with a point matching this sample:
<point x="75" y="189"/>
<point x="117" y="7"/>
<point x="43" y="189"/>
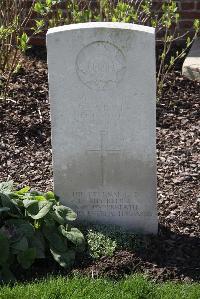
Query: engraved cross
<point x="103" y="152"/>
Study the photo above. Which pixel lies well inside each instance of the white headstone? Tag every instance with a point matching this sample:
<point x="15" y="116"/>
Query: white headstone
<point x="103" y="97"/>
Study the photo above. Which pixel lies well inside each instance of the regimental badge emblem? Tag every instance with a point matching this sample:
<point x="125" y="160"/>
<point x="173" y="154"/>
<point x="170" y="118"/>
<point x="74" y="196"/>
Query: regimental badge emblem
<point x="101" y="65"/>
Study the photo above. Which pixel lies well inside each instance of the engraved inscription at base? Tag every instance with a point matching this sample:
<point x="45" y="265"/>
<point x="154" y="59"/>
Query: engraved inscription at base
<point x="100" y="65"/>
<point x="107" y="204"/>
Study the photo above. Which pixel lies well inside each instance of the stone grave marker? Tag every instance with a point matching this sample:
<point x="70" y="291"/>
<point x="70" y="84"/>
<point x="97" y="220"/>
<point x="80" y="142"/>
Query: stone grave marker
<point x="103" y="98"/>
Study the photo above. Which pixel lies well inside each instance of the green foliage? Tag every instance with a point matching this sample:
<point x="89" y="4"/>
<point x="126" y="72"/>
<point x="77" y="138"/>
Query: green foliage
<point x="14" y="40"/>
<point x="14" y="18"/>
<point x="105" y="240"/>
<point x="100" y="244"/>
<point x="32" y="226"/>
<point x="23" y="42"/>
<point x="140" y="12"/>
<point x="168" y="23"/>
<point x="124" y="12"/>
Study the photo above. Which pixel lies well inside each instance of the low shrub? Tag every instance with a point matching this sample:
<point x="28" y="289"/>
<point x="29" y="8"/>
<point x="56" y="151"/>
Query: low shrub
<point x="34" y="225"/>
<point x="99" y="244"/>
<point x="105" y="240"/>
<point x="14" y="38"/>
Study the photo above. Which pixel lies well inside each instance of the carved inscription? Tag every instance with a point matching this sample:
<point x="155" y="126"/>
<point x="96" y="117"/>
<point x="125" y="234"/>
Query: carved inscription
<point x="107" y="204"/>
<point x="100" y="65"/>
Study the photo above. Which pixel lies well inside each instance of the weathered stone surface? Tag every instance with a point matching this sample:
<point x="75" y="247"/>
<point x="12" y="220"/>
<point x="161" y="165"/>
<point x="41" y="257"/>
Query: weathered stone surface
<point x="103" y="97"/>
<point x="191" y="66"/>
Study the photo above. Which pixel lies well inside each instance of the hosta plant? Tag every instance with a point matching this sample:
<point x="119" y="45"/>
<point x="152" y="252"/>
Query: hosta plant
<point x="34" y="225"/>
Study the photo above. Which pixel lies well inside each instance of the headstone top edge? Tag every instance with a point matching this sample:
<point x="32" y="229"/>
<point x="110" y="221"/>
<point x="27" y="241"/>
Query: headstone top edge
<point x="109" y="25"/>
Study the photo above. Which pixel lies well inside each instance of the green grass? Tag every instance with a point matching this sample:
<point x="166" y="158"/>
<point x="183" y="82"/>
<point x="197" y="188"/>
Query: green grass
<point x="82" y="288"/>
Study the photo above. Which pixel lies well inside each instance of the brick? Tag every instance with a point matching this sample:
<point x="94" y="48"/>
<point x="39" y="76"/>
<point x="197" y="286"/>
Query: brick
<point x="198" y="6"/>
<point x="190" y="15"/>
<point x="188" y="6"/>
<point x="187" y="24"/>
<point x="189" y="10"/>
<point x="38" y="41"/>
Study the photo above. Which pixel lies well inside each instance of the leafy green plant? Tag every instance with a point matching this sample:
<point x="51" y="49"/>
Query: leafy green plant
<point x="168" y="24"/>
<point x="105" y="240"/>
<point x="99" y="244"/>
<point x="14" y="40"/>
<point x="32" y="226"/>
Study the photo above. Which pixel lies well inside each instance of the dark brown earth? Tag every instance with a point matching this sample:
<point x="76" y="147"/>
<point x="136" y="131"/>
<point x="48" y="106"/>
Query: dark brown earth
<point x="25" y="155"/>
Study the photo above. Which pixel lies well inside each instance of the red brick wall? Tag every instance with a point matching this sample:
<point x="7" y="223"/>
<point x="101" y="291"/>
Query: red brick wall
<point x="189" y="11"/>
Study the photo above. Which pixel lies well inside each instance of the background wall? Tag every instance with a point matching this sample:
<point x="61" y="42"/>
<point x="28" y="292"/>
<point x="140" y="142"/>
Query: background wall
<point x="189" y="11"/>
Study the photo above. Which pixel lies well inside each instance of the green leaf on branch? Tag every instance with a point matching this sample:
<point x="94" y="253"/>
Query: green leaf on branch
<point x="172" y="60"/>
<point x="196" y="25"/>
<point x="23" y="42"/>
<point x="38" y="7"/>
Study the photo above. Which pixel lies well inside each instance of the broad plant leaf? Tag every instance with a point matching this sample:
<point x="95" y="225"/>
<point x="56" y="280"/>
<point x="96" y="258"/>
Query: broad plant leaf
<point x="6" y="187"/>
<point x="65" y="259"/>
<point x="11" y="233"/>
<point x="50" y="196"/>
<point x="20" y="245"/>
<point x="64" y="214"/>
<point x="10" y="203"/>
<point x="74" y="235"/>
<point x="39" y="197"/>
<point x="32" y="228"/>
<point x="39" y="209"/>
<point x="29" y="202"/>
<point x="26" y="258"/>
<point x="4" y="209"/>
<point x="23" y="226"/>
<point x="23" y="190"/>
<point x="56" y="241"/>
<point x="4" y="248"/>
<point x="6" y="201"/>
<point x="35" y="192"/>
<point x="49" y="220"/>
<point x="38" y="243"/>
<point x="6" y="275"/>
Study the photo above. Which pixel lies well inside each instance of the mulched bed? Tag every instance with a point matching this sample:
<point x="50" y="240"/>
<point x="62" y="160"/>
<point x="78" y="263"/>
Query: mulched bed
<point x="25" y="157"/>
